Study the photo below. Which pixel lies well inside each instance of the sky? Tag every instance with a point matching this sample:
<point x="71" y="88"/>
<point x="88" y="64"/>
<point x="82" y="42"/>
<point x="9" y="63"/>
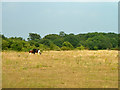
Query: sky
<point x="60" y="0"/>
<point x="21" y="18"/>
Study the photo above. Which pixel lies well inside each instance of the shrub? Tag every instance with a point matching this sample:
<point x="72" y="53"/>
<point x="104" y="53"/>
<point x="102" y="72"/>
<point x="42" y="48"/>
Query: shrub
<point x="67" y="46"/>
<point x="16" y="46"/>
<point x="81" y="47"/>
<point x="5" y="45"/>
<point x="95" y="48"/>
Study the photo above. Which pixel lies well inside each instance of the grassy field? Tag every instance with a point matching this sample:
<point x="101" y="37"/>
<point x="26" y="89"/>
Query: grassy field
<point x="60" y="69"/>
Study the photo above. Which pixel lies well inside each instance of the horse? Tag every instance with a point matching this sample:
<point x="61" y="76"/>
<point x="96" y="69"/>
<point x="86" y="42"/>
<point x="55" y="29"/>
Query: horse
<point x="35" y="51"/>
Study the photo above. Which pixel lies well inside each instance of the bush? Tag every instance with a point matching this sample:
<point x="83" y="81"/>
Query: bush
<point x="95" y="48"/>
<point x="67" y="46"/>
<point x="54" y="47"/>
<point x="81" y="47"/>
<point x="16" y="46"/>
<point x="5" y="45"/>
<point x="57" y="48"/>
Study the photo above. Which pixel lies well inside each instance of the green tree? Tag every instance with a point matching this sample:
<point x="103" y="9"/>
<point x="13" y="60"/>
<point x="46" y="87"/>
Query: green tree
<point x="62" y="33"/>
<point x="17" y="46"/>
<point x="101" y="42"/>
<point x="26" y="46"/>
<point x="34" y="36"/>
<point x="45" y="42"/>
<point x="51" y="37"/>
<point x="93" y="41"/>
<point x="72" y="39"/>
<point x="58" y="42"/>
<point x="32" y="42"/>
<point x="5" y="45"/>
<point x="37" y="44"/>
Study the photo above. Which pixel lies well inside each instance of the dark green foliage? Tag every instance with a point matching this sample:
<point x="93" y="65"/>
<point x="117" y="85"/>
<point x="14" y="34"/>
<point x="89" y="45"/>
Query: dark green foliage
<point x="51" y="37"/>
<point x="3" y="37"/>
<point x="62" y="34"/>
<point x="17" y="46"/>
<point x="58" y="42"/>
<point x="72" y="39"/>
<point x="63" y="41"/>
<point x="37" y="44"/>
<point x="32" y="42"/>
<point x="95" y="48"/>
<point x="101" y="42"/>
<point x="119" y="41"/>
<point x="5" y="45"/>
<point x="45" y="42"/>
<point x="17" y="38"/>
<point x="34" y="36"/>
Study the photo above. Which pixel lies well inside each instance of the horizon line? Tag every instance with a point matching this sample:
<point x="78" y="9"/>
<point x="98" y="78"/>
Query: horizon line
<point x="58" y="34"/>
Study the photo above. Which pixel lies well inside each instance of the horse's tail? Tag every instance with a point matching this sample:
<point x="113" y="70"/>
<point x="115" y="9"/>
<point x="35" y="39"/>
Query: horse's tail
<point x="30" y="51"/>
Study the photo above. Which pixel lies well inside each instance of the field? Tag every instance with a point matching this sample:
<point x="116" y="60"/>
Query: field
<point x="60" y="69"/>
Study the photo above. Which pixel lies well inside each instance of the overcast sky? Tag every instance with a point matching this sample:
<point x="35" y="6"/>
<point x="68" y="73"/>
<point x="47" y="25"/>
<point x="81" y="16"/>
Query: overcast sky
<point x="21" y="18"/>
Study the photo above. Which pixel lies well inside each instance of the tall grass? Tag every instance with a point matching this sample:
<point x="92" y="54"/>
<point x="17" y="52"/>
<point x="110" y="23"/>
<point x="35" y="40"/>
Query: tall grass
<point x="60" y="69"/>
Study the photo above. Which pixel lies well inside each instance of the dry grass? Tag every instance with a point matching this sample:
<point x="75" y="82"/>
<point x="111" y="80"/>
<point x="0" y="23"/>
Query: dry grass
<point x="60" y="69"/>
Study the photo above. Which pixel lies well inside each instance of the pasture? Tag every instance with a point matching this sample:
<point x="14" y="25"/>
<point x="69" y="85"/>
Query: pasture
<point x="60" y="69"/>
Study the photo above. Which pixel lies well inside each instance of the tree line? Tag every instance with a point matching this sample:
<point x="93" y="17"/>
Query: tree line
<point x="63" y="41"/>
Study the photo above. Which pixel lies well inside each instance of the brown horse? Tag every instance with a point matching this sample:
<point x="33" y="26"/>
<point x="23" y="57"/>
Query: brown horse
<point x="35" y="51"/>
